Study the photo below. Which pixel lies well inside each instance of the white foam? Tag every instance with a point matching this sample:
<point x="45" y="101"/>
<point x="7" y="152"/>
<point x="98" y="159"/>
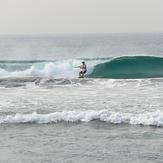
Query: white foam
<point x="146" y="118"/>
<point x="57" y="69"/>
<point x="51" y="69"/>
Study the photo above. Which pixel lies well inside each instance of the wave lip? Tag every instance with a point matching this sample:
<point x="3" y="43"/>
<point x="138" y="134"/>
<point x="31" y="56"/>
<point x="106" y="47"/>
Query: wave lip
<point x="146" y="118"/>
<point x="130" y="67"/>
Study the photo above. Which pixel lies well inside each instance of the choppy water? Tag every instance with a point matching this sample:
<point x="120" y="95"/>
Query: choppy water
<point x="47" y="114"/>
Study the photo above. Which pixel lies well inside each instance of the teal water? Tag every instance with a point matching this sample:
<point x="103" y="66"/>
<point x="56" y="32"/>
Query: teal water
<point x="130" y="67"/>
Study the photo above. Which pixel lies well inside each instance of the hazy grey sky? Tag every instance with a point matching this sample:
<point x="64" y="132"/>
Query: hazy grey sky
<point x="80" y="16"/>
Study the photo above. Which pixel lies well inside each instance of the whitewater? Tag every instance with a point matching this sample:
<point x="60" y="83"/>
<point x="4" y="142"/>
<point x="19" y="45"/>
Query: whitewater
<point x="149" y="118"/>
<point x="114" y="114"/>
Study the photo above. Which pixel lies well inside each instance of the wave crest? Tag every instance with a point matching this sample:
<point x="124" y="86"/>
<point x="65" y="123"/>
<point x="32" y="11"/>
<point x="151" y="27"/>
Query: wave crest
<point x="146" y="118"/>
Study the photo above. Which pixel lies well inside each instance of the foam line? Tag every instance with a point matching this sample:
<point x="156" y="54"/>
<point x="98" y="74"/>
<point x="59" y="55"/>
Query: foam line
<point x="146" y="118"/>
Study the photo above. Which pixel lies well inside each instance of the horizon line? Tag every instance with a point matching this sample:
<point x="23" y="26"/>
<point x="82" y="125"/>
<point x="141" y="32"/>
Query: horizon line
<point x="71" y="34"/>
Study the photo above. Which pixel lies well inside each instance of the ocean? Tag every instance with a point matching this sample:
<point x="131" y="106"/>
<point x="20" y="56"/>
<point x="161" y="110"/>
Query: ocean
<point x="114" y="114"/>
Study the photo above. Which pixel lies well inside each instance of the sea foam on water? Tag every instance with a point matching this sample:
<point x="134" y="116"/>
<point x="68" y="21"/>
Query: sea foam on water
<point x="146" y="118"/>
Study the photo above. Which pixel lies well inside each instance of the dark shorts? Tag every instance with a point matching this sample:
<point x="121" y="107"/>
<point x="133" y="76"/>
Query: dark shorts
<point x="83" y="72"/>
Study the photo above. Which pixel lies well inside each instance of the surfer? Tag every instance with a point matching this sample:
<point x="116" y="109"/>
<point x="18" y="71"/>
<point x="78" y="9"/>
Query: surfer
<point x="83" y="70"/>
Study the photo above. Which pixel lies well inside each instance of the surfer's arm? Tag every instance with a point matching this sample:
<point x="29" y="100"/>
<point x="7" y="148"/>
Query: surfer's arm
<point x="78" y="67"/>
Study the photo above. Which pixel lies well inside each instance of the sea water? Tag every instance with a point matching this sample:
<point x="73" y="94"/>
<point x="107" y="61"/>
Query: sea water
<point x="114" y="114"/>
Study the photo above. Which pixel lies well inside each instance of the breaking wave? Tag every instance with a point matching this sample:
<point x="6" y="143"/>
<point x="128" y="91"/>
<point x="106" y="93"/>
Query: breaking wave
<point x="146" y="118"/>
<point x="127" y="67"/>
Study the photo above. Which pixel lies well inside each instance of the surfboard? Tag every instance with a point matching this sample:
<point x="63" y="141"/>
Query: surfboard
<point x="81" y="77"/>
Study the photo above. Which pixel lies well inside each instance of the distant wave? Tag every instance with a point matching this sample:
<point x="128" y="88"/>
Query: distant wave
<point x="146" y="118"/>
<point x="126" y="67"/>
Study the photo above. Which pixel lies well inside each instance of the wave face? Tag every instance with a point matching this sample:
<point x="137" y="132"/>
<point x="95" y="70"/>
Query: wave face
<point x="129" y="67"/>
<point x="146" y="118"/>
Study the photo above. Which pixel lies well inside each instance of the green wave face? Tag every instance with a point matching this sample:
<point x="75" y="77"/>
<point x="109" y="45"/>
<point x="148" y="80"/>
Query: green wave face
<point x="130" y="68"/>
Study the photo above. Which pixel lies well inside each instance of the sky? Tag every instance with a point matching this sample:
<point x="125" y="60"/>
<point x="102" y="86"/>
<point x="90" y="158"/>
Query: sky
<point x="80" y="16"/>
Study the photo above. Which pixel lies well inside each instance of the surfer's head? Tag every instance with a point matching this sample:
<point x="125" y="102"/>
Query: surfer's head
<point x="83" y="62"/>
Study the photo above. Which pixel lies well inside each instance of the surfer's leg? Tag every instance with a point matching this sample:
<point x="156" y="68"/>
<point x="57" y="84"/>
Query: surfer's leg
<point x="80" y="73"/>
<point x="83" y="73"/>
